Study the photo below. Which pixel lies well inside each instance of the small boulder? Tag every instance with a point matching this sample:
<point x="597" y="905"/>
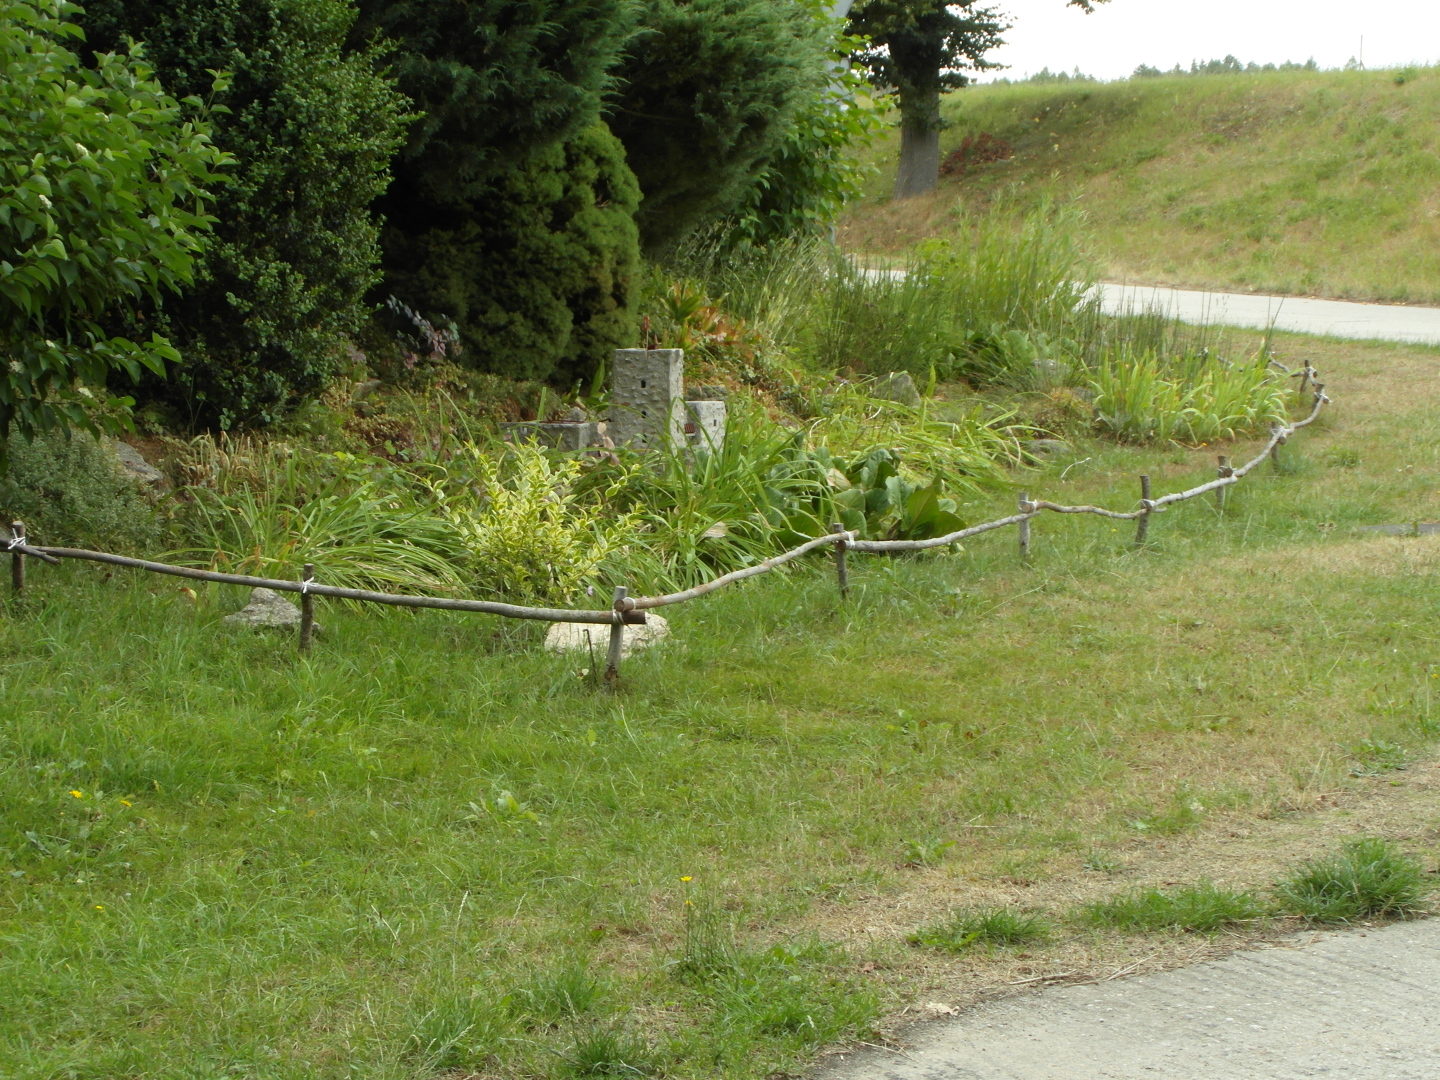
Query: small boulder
<point x="137" y="468"/>
<point x="898" y="386"/>
<point x="267" y="609"/>
<point x="1048" y="447"/>
<point x="580" y="637"/>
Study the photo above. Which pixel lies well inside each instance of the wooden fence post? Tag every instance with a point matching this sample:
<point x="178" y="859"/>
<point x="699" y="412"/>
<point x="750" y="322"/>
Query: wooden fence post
<point x="841" y="574"/>
<point x="617" y="637"/>
<point x="1025" y="527"/>
<point x="1142" y="527"/>
<point x="307" y="609"/>
<point x="1223" y="471"/>
<point x="1275" y="452"/>
<point x="17" y="559"/>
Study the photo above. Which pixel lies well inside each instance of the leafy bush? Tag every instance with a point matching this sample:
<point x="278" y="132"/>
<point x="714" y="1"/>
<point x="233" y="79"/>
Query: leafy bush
<point x="525" y="534"/>
<point x="102" y="197"/>
<point x="817" y="168"/>
<point x="1192" y="399"/>
<point x="1202" y="907"/>
<point x="1368" y="878"/>
<point x="70" y="491"/>
<point x="538" y="267"/>
<point x="313" y="127"/>
<point x="983" y="927"/>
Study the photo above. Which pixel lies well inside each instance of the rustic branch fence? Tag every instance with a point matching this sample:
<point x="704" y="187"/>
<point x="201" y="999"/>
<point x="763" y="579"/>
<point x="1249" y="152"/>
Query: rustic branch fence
<point x="626" y="609"/>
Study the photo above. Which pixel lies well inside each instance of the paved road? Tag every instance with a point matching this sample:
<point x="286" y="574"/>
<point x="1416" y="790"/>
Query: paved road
<point x="1329" y="318"/>
<point x="1352" y="1006"/>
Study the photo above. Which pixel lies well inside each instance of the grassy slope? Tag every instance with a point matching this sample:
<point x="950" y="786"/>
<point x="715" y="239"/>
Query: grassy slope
<point x="1321" y="183"/>
<point x="300" y="885"/>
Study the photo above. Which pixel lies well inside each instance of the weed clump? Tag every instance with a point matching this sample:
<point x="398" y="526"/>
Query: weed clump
<point x="606" y="1052"/>
<point x="989" y="927"/>
<point x="1369" y="878"/>
<point x="1203" y="908"/>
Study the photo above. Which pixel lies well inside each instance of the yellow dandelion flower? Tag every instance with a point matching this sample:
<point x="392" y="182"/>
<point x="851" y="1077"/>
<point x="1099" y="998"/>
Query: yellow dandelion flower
<point x="99" y="907"/>
<point x="685" y="878"/>
<point x="78" y="793"/>
<point x="126" y="802"/>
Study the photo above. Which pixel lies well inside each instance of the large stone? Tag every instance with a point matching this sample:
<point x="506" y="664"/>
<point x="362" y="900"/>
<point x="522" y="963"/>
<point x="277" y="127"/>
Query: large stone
<point x="267" y="609"/>
<point x="137" y="468"/>
<point x="647" y="398"/>
<point x="580" y="637"/>
<point x="899" y="387"/>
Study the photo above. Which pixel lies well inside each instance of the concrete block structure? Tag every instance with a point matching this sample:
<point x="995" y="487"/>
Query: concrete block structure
<point x="647" y="398"/>
<point x="706" y="427"/>
<point x="564" y="435"/>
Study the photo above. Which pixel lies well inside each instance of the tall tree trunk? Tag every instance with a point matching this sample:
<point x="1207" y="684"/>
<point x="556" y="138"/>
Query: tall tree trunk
<point x="919" y="142"/>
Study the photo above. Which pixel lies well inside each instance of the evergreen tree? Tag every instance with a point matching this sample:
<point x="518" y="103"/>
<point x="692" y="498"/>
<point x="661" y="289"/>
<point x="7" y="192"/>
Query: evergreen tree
<point x="539" y="268"/>
<point x="512" y="211"/>
<point x="708" y="92"/>
<point x="313" y="129"/>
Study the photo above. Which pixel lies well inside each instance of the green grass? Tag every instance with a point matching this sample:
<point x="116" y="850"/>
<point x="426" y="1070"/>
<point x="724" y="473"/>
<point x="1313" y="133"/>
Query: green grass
<point x="1368" y="878"/>
<point x="986" y="927"/>
<point x="279" y="866"/>
<point x="1295" y="182"/>
<point x="1203" y="908"/>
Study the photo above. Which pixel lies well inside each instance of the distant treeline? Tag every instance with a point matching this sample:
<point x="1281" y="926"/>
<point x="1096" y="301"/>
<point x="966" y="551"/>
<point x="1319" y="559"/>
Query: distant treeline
<point x="1229" y="66"/>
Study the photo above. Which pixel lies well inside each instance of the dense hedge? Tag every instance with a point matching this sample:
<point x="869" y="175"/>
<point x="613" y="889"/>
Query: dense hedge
<point x="313" y="130"/>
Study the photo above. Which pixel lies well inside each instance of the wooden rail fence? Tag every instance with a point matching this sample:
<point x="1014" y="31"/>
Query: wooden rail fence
<point x="625" y="609"/>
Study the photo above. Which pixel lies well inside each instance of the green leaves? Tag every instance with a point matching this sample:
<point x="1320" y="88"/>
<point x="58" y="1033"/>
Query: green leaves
<point x="879" y="503"/>
<point x="103" y="189"/>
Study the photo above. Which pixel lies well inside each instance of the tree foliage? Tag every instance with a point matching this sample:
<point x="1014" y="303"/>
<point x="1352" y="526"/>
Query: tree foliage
<point x="708" y="92"/>
<point x="920" y="48"/>
<point x="102" y="205"/>
<point x="313" y="128"/>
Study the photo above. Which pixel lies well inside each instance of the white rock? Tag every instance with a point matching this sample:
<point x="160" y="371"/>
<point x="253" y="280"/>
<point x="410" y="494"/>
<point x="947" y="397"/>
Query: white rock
<point x="267" y="609"/>
<point x="579" y="637"/>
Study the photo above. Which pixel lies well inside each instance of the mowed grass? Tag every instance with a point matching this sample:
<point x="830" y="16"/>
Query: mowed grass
<point x="431" y="849"/>
<point x="1322" y="183"/>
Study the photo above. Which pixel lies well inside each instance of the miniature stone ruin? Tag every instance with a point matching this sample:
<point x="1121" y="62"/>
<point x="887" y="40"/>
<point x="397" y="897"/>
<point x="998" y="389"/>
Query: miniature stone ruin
<point x="648" y="410"/>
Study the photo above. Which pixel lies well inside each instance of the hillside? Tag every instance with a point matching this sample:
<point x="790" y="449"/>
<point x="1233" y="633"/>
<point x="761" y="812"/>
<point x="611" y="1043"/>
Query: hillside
<point x="1312" y="183"/>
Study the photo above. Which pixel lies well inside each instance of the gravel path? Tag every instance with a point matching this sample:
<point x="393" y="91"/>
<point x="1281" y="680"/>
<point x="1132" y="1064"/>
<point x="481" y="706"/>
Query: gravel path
<point x="1359" y="1005"/>
<point x="1327" y="318"/>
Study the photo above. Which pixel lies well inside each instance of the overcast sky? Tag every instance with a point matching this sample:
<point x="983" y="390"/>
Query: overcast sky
<point x="1162" y="33"/>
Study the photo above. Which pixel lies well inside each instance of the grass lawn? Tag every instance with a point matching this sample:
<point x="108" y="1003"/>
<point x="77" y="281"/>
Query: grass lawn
<point x="432" y="850"/>
<point x="1320" y="183"/>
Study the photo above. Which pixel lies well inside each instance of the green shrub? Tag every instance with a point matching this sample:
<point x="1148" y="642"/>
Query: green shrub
<point x="817" y="168"/>
<point x="71" y="492"/>
<point x="525" y="533"/>
<point x="538" y="267"/>
<point x="983" y="927"/>
<point x="1369" y="878"/>
<point x="1202" y="907"/>
<point x="313" y="128"/>
<point x="102" y="205"/>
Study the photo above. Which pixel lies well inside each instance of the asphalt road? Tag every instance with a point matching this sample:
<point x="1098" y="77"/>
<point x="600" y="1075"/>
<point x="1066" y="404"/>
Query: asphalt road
<point x="1327" y="318"/>
<point x="1355" y="1005"/>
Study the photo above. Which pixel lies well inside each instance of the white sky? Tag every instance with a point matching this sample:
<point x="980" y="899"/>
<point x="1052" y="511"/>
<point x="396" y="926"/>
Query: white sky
<point x="1125" y="33"/>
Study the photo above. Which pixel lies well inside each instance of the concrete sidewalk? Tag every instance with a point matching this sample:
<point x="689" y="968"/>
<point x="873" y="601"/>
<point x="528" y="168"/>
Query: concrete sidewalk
<point x="1355" y="1005"/>
<point x="1328" y="318"/>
